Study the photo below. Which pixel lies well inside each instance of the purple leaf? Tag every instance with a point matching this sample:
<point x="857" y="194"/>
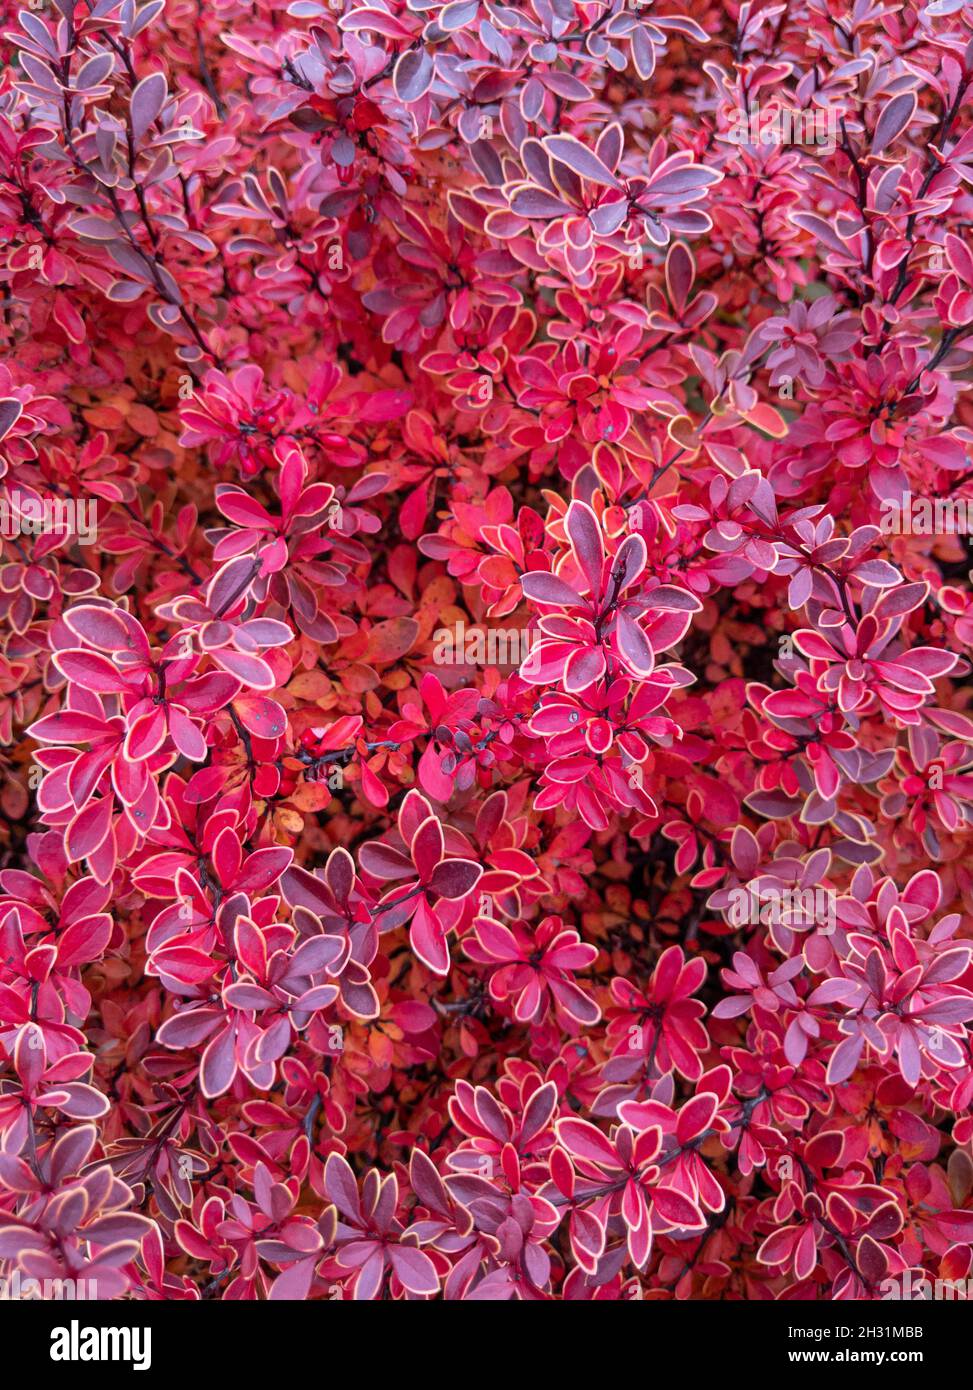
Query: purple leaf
<point x="148" y="100"/>
<point x="414" y="73"/>
<point x="584" y="533"/>
<point x="10" y="412"/>
<point x="896" y="115"/>
<point x="454" y="878"/>
<point x="547" y="588"/>
<point x="580" y="159"/>
<point x="537" y="202"/>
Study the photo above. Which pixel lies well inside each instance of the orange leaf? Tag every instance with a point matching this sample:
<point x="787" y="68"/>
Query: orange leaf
<point x="390" y="640"/>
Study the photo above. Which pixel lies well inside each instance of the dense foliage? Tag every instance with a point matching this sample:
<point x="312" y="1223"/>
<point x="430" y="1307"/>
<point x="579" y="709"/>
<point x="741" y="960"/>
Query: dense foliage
<point x="487" y="770"/>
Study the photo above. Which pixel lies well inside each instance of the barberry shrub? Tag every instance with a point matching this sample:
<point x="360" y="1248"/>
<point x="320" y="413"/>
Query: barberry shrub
<point x="487" y="766"/>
